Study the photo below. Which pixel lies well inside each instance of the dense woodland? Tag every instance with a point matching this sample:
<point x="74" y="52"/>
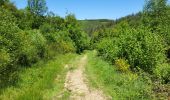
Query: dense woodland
<point x="135" y="45"/>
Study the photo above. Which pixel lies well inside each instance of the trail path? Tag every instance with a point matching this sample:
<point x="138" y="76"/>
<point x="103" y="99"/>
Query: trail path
<point x="76" y="83"/>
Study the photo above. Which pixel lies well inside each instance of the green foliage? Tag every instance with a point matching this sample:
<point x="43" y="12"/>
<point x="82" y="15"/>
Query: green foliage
<point x="33" y="47"/>
<point x="108" y="49"/>
<point x="64" y="43"/>
<point x="139" y="46"/>
<point x="9" y="46"/>
<point x="2" y="2"/>
<point x="37" y="9"/>
<point x="106" y="32"/>
<point x="7" y="21"/>
<point x="17" y="47"/>
<point x="142" y="48"/>
<point x="21" y="45"/>
<point x="54" y="21"/>
<point x="155" y="13"/>
<point x="65" y="35"/>
<point x="156" y="17"/>
<point x="134" y="20"/>
<point x="122" y="65"/>
<point x="93" y="25"/>
<point x="8" y="5"/>
<point x="163" y="72"/>
<point x="80" y="38"/>
<point x="81" y="41"/>
<point x="118" y="85"/>
<point x="37" y="21"/>
<point x="61" y="43"/>
<point x="39" y="41"/>
<point x="4" y="58"/>
<point x="24" y="19"/>
<point x="47" y="28"/>
<point x="48" y="31"/>
<point x="39" y="81"/>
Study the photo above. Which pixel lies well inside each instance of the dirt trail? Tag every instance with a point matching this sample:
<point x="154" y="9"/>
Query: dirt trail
<point x="76" y="83"/>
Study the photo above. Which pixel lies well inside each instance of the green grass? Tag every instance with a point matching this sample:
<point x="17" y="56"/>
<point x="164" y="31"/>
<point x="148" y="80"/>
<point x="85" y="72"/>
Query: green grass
<point x="120" y="86"/>
<point x="43" y="81"/>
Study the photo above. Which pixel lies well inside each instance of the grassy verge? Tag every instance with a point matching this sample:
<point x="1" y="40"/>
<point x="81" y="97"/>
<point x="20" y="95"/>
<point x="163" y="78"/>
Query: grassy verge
<point x="41" y="81"/>
<point x="120" y="86"/>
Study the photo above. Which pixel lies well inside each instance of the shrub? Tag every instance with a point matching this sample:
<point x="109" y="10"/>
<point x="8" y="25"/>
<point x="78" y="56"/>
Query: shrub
<point x="122" y="65"/>
<point x="25" y="19"/>
<point x="64" y="43"/>
<point x="120" y="86"/>
<point x="163" y="72"/>
<point x="139" y="47"/>
<point x="61" y="43"/>
<point x="142" y="48"/>
<point x="98" y="35"/>
<point x="80" y="39"/>
<point x="28" y="52"/>
<point x="33" y="47"/>
<point x="108" y="49"/>
<point x="5" y="58"/>
<point x="39" y="41"/>
<point x="10" y="42"/>
<point x="47" y="30"/>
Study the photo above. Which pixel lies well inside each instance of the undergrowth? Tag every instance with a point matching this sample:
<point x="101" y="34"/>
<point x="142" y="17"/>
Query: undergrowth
<point x="119" y="85"/>
<point x="41" y="81"/>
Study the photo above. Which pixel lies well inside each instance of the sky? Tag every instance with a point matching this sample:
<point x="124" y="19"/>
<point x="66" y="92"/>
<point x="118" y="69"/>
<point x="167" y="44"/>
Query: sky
<point x="91" y="9"/>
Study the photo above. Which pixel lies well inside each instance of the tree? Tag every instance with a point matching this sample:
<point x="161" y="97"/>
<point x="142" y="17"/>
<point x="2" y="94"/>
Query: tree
<point x="37" y="7"/>
<point x="2" y="2"/>
<point x="80" y="39"/>
<point x="155" y="15"/>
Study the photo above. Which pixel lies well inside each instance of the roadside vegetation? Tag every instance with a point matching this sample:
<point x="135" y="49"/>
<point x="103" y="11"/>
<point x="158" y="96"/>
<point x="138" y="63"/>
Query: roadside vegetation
<point x="115" y="83"/>
<point x="42" y="81"/>
<point x="33" y="34"/>
<point x="139" y="44"/>
<point x="130" y="58"/>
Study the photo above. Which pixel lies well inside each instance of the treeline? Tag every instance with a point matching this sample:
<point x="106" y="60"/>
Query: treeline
<point x="33" y="34"/>
<point x="92" y="25"/>
<point x="140" y="44"/>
